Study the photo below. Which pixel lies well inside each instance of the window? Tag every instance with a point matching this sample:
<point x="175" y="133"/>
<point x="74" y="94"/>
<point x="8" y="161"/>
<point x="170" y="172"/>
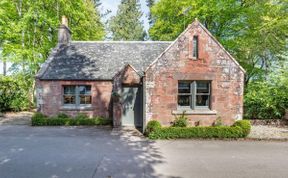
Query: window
<point x="77" y="95"/>
<point x="69" y="95"/>
<point x="194" y="94"/>
<point x="195" y="47"/>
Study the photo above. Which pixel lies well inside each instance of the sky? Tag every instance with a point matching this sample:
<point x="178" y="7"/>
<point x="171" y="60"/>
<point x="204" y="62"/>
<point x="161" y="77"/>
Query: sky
<point x="113" y="6"/>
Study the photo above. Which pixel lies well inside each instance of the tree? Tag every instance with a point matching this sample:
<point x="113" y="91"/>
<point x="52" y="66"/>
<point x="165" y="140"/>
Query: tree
<point x="28" y="30"/>
<point x="255" y="32"/>
<point x="126" y="25"/>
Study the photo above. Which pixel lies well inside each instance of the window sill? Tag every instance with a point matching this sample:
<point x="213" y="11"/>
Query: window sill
<point x="194" y="112"/>
<point x="74" y="108"/>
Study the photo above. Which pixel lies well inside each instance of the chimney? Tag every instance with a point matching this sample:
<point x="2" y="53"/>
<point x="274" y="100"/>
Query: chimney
<point x="64" y="33"/>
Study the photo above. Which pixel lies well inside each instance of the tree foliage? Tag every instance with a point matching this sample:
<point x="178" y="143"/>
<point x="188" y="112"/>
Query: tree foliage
<point x="268" y="99"/>
<point x="13" y="93"/>
<point x="126" y="25"/>
<point x="28" y="30"/>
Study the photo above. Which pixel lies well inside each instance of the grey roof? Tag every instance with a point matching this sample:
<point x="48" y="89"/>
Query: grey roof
<point x="98" y="60"/>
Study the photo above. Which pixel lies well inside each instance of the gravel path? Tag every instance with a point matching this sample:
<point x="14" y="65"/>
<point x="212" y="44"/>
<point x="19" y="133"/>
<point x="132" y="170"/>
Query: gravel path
<point x="19" y="118"/>
<point x="268" y="132"/>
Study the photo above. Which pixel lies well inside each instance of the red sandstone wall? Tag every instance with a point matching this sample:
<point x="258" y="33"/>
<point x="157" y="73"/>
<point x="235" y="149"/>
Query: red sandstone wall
<point x="49" y="96"/>
<point x="176" y="64"/>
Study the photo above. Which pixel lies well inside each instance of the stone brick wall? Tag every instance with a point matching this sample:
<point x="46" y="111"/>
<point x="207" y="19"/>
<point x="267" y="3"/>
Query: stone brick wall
<point x="214" y="63"/>
<point x="50" y="98"/>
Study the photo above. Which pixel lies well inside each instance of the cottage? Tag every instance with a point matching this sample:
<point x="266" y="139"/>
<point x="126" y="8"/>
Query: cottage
<point x="135" y="82"/>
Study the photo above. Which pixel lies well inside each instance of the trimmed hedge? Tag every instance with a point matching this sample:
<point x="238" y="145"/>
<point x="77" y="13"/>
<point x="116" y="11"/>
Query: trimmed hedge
<point x="245" y="125"/>
<point x="152" y="126"/>
<point x="239" y="130"/>
<point x="39" y="119"/>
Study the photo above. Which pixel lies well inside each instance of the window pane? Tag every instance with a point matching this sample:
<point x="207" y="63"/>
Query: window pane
<point x="202" y="100"/>
<point x="69" y="90"/>
<point x="85" y="89"/>
<point x="184" y="100"/>
<point x="85" y="99"/>
<point x="195" y="46"/>
<point x="184" y="87"/>
<point x="202" y="87"/>
<point x="68" y="99"/>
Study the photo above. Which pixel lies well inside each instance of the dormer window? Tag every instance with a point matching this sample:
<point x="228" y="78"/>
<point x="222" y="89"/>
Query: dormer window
<point x="195" y="47"/>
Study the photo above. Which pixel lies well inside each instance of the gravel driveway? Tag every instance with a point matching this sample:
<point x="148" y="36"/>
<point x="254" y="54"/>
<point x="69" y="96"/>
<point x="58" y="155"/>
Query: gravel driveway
<point x="269" y="132"/>
<point x="16" y="118"/>
<point x="86" y="152"/>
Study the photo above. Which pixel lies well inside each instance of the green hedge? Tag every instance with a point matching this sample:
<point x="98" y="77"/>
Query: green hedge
<point x="239" y="130"/>
<point x="39" y="119"/>
<point x="245" y="125"/>
<point x="152" y="126"/>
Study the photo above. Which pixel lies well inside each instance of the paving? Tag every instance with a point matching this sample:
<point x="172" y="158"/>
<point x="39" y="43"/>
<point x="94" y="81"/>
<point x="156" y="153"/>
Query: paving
<point x="80" y="152"/>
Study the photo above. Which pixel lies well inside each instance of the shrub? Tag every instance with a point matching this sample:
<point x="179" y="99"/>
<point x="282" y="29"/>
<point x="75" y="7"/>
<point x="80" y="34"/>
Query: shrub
<point x="62" y="115"/>
<point x="152" y="126"/>
<point x="39" y="119"/>
<point x="240" y="129"/>
<point x="13" y="96"/>
<point x="245" y="125"/>
<point x="197" y="132"/>
<point x="81" y="116"/>
<point x="181" y="121"/>
<point x="265" y="100"/>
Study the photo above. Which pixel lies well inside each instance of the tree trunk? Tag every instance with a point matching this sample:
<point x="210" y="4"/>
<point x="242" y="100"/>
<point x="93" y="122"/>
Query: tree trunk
<point x="4" y="68"/>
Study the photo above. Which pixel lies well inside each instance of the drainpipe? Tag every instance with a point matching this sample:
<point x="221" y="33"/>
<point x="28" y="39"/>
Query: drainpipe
<point x="144" y="102"/>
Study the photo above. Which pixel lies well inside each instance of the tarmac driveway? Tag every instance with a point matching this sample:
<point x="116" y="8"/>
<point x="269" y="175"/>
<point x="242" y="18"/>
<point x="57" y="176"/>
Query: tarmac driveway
<point x="80" y="152"/>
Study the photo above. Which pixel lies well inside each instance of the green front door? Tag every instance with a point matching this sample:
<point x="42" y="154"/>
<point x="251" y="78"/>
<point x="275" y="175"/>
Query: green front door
<point x="132" y="106"/>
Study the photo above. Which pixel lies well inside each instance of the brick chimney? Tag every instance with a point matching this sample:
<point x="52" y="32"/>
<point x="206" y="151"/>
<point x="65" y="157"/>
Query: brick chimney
<point x="64" y="33"/>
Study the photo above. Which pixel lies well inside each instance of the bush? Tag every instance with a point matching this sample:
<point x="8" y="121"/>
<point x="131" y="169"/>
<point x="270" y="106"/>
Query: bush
<point x="12" y="95"/>
<point x="265" y="100"/>
<point x="197" y="132"/>
<point x="81" y="116"/>
<point x="39" y="119"/>
<point x="245" y="125"/>
<point x="62" y="115"/>
<point x="181" y="121"/>
<point x="152" y="126"/>
<point x="239" y="130"/>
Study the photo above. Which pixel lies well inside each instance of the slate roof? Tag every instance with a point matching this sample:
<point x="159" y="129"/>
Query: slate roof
<point x="98" y="60"/>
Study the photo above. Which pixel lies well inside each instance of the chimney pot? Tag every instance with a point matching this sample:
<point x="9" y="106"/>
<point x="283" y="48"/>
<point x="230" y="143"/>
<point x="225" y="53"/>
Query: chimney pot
<point x="64" y="33"/>
<point x="64" y="21"/>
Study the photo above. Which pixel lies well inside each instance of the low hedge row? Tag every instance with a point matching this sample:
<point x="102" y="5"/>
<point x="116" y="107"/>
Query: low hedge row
<point x="239" y="130"/>
<point x="39" y="119"/>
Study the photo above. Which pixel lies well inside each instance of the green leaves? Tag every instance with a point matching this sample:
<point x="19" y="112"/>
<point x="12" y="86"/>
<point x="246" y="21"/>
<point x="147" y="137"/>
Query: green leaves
<point x="267" y="99"/>
<point x="29" y="28"/>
